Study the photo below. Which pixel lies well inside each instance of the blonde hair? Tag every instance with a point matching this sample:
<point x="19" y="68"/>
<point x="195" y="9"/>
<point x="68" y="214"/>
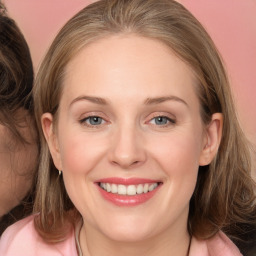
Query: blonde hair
<point x="224" y="197"/>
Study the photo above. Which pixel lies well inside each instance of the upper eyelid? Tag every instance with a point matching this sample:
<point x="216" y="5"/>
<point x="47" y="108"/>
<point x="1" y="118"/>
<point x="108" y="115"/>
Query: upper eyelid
<point x="162" y="114"/>
<point x="87" y="117"/>
<point x="171" y="120"/>
<point x="148" y="117"/>
<point x="92" y="114"/>
<point x="168" y="118"/>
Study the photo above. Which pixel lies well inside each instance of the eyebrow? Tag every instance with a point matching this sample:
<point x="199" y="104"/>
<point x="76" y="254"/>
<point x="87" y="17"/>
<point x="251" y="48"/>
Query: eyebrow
<point x="96" y="100"/>
<point x="148" y="101"/>
<point x="158" y="100"/>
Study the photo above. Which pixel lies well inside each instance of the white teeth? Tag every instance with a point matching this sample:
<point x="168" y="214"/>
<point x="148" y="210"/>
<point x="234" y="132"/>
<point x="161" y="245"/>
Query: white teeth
<point x="130" y="190"/>
<point x="121" y="190"/>
<point x="139" y="189"/>
<point x="145" y="189"/>
<point x="114" y="188"/>
<point x="151" y="187"/>
<point x="108" y="187"/>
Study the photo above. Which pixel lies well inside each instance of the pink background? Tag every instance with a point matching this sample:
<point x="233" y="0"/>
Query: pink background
<point x="231" y="23"/>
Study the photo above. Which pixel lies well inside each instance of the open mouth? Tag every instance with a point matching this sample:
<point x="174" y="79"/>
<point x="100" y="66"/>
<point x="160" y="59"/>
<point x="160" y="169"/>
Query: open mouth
<point x="129" y="190"/>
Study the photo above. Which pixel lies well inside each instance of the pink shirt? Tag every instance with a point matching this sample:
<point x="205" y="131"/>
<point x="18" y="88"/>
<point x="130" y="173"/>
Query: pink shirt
<point x="21" y="239"/>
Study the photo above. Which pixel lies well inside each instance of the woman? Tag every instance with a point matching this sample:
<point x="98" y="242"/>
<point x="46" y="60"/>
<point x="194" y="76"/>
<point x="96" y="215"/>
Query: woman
<point x="141" y="151"/>
<point x="18" y="138"/>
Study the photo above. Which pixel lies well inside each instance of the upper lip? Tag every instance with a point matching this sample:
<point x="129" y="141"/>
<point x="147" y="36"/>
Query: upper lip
<point x="126" y="181"/>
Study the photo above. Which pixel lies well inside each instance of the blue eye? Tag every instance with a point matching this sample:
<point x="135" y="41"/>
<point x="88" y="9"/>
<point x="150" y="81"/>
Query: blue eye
<point x="161" y="120"/>
<point x="93" y="120"/>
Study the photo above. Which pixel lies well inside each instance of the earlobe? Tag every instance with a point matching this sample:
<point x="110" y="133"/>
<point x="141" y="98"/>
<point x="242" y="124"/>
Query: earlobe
<point x="212" y="139"/>
<point x="50" y="136"/>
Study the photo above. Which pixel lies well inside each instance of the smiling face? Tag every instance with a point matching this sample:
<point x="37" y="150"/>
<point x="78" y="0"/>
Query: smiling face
<point x="129" y="138"/>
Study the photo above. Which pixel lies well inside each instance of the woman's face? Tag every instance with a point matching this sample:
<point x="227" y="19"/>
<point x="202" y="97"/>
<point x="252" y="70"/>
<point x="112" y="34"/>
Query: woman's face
<point x="17" y="162"/>
<point x="129" y="138"/>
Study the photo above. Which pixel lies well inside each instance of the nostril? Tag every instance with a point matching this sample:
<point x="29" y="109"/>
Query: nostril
<point x="126" y="164"/>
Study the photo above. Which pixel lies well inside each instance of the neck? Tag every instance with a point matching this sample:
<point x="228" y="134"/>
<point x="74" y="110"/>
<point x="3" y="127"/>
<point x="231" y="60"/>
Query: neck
<point x="169" y="242"/>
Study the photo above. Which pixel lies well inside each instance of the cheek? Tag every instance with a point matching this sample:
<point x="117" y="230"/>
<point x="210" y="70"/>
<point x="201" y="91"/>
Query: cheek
<point x="80" y="153"/>
<point x="178" y="154"/>
<point x="178" y="158"/>
<point x="17" y="166"/>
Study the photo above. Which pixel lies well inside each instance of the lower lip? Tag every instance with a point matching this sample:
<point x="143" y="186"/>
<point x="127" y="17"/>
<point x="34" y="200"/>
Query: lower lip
<point x="122" y="200"/>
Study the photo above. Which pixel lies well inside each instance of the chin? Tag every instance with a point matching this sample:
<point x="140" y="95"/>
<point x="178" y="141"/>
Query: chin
<point x="130" y="231"/>
<point x="127" y="236"/>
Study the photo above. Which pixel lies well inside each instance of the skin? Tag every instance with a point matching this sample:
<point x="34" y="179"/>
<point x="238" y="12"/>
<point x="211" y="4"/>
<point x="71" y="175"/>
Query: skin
<point x="18" y="163"/>
<point x="129" y="143"/>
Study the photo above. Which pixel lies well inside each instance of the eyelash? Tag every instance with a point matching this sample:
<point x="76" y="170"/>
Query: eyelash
<point x="88" y="118"/>
<point x="169" y="121"/>
<point x="86" y="121"/>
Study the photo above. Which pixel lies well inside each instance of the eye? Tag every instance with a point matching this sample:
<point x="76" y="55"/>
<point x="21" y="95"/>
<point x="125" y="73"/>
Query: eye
<point x="161" y="120"/>
<point x="93" y="121"/>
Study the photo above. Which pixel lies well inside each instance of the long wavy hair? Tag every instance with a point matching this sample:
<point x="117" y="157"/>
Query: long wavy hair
<point x="16" y="82"/>
<point x="224" y="197"/>
<point x="16" y="74"/>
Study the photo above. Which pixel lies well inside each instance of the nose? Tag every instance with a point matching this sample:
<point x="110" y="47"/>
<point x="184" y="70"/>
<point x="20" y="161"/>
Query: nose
<point x="127" y="149"/>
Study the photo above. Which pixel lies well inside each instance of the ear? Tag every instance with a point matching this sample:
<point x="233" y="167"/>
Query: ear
<point x="213" y="133"/>
<point x="51" y="138"/>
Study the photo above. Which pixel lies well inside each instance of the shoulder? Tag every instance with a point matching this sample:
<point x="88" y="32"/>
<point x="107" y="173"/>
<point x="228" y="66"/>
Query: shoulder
<point x="13" y="239"/>
<point x="218" y="245"/>
<point x="22" y="239"/>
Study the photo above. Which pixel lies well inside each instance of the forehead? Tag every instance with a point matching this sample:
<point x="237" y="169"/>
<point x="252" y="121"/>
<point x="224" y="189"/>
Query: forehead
<point x="132" y="64"/>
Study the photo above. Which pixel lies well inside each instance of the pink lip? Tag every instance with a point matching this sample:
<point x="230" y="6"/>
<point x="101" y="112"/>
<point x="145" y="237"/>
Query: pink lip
<point x="123" y="200"/>
<point x="127" y="181"/>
